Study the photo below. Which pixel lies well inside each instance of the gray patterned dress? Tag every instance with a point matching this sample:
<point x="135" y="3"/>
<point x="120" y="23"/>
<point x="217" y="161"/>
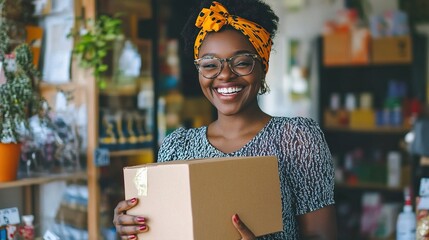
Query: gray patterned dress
<point x="305" y="165"/>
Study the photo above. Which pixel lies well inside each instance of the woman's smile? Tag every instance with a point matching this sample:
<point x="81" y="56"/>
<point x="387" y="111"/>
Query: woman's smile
<point x="229" y="90"/>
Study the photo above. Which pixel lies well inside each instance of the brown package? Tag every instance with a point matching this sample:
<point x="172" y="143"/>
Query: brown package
<point x="195" y="199"/>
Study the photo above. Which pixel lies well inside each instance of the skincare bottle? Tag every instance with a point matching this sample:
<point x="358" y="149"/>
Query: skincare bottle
<point x="406" y="223"/>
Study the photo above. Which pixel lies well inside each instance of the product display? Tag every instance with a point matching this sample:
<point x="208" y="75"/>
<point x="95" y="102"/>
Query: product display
<point x="124" y="130"/>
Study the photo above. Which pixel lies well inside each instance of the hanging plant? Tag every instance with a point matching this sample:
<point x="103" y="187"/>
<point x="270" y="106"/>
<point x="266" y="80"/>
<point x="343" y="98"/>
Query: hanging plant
<point x="94" y="41"/>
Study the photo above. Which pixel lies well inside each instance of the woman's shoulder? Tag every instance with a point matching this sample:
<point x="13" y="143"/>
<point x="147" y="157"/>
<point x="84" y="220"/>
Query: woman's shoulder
<point x="175" y="142"/>
<point x="296" y="127"/>
<point x="182" y="135"/>
<point x="295" y="122"/>
<point x="183" y="132"/>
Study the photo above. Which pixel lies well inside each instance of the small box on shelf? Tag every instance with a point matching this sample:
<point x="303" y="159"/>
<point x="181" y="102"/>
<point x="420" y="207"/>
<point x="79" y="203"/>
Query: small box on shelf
<point x="391" y="50"/>
<point x="346" y="48"/>
<point x="362" y="118"/>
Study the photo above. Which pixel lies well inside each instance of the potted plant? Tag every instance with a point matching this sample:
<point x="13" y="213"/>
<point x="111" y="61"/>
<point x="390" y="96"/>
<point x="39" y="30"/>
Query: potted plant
<point x="19" y="98"/>
<point x="94" y="41"/>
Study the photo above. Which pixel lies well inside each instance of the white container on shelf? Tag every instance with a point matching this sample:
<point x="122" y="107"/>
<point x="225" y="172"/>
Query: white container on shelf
<point x="394" y="169"/>
<point x="406" y="223"/>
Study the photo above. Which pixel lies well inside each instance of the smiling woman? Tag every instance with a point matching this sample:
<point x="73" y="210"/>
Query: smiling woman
<point x="239" y="34"/>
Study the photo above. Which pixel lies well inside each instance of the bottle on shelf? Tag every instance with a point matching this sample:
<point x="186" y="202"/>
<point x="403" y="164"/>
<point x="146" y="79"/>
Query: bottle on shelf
<point x="406" y="223"/>
<point x="331" y="115"/>
<point x="394" y="160"/>
<point x="364" y="115"/>
<point x="27" y="231"/>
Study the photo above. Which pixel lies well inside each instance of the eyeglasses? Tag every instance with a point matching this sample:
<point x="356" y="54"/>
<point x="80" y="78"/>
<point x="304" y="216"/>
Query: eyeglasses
<point x="241" y="65"/>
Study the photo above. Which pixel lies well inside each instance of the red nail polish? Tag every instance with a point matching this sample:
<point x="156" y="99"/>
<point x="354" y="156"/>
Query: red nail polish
<point x="141" y="219"/>
<point x="132" y="237"/>
<point x="142" y="227"/>
<point x="236" y="218"/>
<point x="133" y="200"/>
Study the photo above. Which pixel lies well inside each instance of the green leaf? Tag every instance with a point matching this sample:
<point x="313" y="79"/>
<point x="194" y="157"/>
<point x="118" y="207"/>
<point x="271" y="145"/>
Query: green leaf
<point x="102" y="68"/>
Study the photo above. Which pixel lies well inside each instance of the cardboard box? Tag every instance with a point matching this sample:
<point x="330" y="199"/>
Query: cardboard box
<point x="196" y="199"/>
<point x="336" y="49"/>
<point x="388" y="50"/>
<point x="346" y="48"/>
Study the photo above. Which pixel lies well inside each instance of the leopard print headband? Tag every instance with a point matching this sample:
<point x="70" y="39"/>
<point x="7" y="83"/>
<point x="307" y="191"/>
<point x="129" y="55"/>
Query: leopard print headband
<point x="217" y="16"/>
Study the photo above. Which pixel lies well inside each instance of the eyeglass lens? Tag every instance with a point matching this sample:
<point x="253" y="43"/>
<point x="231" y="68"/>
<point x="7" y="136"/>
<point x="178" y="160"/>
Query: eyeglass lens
<point x="240" y="65"/>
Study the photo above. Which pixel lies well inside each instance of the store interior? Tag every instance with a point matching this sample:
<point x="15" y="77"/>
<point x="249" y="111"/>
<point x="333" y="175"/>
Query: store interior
<point x="113" y="80"/>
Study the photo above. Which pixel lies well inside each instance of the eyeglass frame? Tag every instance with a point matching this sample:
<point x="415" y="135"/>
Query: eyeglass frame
<point x="227" y="60"/>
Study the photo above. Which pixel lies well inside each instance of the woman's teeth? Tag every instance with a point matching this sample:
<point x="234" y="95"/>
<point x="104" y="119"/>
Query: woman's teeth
<point x="229" y="90"/>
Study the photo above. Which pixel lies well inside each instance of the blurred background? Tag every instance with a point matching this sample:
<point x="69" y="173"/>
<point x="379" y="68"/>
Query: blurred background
<point x="358" y="67"/>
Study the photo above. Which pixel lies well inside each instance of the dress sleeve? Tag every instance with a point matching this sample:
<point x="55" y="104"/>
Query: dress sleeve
<point x="312" y="168"/>
<point x="171" y="146"/>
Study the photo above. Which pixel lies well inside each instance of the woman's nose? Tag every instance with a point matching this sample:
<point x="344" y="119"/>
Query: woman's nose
<point x="226" y="72"/>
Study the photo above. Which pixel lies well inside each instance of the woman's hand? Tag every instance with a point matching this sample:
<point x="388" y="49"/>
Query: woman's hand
<point x="244" y="231"/>
<point x="128" y="226"/>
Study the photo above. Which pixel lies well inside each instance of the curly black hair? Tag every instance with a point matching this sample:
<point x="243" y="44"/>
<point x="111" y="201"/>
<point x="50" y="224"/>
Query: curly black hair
<point x="254" y="10"/>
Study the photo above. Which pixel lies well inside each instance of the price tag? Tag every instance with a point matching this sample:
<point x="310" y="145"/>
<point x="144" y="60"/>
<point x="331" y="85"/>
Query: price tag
<point x="101" y="157"/>
<point x="9" y="216"/>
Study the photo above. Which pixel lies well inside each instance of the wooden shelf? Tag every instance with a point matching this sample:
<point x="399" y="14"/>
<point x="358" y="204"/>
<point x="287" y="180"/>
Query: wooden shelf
<point x="132" y="152"/>
<point x="46" y="86"/>
<point x="366" y="65"/>
<point x="367" y="187"/>
<point x="81" y="175"/>
<point x="384" y="130"/>
<point x="131" y="90"/>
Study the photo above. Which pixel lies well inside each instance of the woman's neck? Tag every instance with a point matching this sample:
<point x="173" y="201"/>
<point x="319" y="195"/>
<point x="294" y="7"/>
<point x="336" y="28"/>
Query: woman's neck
<point x="242" y="122"/>
<point x="229" y="133"/>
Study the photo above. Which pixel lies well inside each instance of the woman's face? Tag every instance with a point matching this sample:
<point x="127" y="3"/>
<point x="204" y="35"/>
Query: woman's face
<point x="229" y="93"/>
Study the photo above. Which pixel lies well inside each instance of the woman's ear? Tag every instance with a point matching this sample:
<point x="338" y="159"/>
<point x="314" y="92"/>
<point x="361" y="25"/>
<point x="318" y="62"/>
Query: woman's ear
<point x="264" y="86"/>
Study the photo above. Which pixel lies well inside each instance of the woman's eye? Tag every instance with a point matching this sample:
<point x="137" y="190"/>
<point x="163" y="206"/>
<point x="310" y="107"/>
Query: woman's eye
<point x="242" y="64"/>
<point x="208" y="65"/>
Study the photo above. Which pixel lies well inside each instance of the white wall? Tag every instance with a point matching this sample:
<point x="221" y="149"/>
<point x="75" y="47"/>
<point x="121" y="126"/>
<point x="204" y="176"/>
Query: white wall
<point x="304" y="24"/>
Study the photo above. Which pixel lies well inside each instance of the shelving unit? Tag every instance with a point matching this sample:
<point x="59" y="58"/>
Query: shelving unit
<point x="374" y="130"/>
<point x="43" y="179"/>
<point x="134" y="152"/>
<point x="369" y="143"/>
<point x="84" y="88"/>
<point x="138" y="27"/>
<point x="368" y="187"/>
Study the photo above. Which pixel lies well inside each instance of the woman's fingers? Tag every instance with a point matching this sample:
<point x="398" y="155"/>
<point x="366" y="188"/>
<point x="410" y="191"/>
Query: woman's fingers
<point x="125" y="205"/>
<point x="128" y="232"/>
<point x="244" y="231"/>
<point x="127" y="226"/>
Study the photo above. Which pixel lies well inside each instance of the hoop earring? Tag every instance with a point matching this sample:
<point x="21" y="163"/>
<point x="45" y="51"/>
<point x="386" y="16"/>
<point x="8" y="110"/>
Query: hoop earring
<point x="264" y="87"/>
